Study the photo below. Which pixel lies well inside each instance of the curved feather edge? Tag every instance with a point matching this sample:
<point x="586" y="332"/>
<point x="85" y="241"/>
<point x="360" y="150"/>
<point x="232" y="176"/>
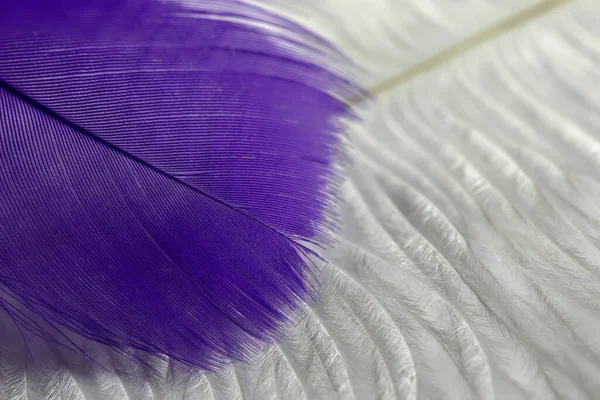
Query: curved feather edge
<point x="169" y="172"/>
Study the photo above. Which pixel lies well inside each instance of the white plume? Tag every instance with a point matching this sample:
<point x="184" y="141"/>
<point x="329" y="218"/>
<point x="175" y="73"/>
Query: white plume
<point x="469" y="262"/>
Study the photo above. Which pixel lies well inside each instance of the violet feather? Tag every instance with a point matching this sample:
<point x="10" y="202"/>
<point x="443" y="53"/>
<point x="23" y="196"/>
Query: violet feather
<point x="165" y="168"/>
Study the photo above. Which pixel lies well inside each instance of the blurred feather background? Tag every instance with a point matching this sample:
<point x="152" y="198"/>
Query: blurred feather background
<point x="468" y="266"/>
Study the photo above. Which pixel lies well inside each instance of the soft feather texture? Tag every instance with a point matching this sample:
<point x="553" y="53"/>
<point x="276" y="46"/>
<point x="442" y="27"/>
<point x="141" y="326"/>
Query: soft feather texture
<point x="167" y="170"/>
<point x="467" y="265"/>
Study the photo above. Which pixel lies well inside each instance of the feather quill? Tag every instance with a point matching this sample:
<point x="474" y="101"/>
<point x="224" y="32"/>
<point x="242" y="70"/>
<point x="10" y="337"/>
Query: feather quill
<point x="167" y="169"/>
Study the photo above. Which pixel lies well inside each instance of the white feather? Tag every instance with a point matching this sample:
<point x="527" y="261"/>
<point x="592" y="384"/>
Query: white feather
<point x="469" y="262"/>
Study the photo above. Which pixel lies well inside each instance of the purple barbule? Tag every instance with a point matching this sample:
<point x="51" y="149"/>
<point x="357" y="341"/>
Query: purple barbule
<point x="163" y="166"/>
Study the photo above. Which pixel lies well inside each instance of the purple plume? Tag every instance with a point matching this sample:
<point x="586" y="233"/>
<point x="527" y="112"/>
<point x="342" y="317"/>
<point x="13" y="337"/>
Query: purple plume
<point x="165" y="168"/>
